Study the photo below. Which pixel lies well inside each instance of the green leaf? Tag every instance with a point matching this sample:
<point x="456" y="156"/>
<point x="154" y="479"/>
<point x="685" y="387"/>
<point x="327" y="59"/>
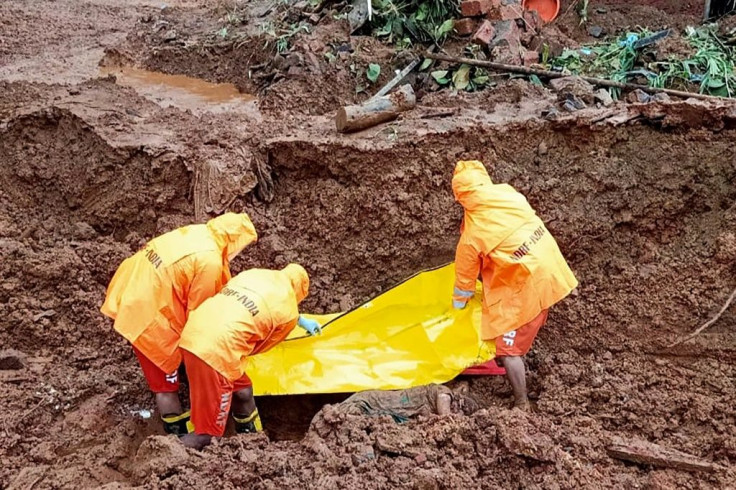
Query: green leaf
<point x="481" y="80"/>
<point x="461" y="78"/>
<point x="535" y="80"/>
<point x="440" y="76"/>
<point x="373" y="72"/>
<point x="422" y="12"/>
<point x="445" y="28"/>
<point x="425" y="64"/>
<point x="222" y="32"/>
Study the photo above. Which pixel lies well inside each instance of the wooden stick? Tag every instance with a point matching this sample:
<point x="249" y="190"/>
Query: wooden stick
<point x="553" y="74"/>
<point x="708" y="323"/>
<point x="644" y="452"/>
<point x="375" y="111"/>
<point x="395" y="80"/>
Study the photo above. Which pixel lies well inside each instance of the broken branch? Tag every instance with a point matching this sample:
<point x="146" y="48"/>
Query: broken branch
<point x="644" y="452"/>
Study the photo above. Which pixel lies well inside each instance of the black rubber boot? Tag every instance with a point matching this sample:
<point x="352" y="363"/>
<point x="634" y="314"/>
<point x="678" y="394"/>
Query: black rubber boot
<point x="178" y="424"/>
<point x="246" y="424"/>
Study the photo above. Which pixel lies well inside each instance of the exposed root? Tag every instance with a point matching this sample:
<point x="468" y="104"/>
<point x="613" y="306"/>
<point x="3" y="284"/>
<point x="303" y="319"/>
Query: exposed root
<point x="708" y="323"/>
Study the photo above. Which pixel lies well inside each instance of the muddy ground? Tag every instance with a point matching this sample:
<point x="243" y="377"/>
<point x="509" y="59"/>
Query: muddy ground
<point x="641" y="198"/>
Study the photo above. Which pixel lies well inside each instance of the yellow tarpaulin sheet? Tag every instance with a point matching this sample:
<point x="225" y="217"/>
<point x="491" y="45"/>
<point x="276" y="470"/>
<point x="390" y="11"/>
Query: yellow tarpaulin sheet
<point x="408" y="336"/>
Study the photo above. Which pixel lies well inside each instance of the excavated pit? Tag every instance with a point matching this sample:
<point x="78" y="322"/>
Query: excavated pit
<point x="645" y="213"/>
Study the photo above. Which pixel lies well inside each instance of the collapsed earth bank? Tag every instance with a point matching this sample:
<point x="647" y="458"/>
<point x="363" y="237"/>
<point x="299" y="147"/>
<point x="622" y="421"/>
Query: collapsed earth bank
<point x="645" y="211"/>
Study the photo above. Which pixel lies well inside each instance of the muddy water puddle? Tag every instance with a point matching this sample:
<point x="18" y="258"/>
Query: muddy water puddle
<point x="184" y="92"/>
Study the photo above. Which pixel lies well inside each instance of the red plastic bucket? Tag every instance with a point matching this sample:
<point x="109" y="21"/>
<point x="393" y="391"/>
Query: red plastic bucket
<point x="548" y="9"/>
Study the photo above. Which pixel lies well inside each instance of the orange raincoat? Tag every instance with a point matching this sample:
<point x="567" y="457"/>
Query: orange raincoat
<point x="521" y="266"/>
<point x="256" y="310"/>
<point x="153" y="291"/>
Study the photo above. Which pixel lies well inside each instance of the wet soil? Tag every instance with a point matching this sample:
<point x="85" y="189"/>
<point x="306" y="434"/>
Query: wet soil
<point x="641" y="198"/>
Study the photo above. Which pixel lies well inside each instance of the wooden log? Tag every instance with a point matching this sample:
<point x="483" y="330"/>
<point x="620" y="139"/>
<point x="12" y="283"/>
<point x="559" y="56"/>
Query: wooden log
<point x="644" y="452"/>
<point x="375" y="111"/>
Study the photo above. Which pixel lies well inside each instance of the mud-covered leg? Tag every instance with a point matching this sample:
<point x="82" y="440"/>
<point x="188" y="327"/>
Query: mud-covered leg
<point x="516" y="374"/>
<point x="244" y="412"/>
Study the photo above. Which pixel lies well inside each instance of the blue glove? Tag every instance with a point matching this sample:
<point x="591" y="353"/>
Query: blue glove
<point x="311" y="326"/>
<point x="459" y="305"/>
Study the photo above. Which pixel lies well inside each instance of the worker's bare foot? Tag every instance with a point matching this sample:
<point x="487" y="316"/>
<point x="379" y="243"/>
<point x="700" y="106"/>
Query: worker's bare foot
<point x="196" y="441"/>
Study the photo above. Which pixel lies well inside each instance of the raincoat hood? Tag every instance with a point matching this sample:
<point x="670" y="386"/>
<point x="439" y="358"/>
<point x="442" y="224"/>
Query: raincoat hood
<point x="299" y="280"/>
<point x="232" y="232"/>
<point x="471" y="184"/>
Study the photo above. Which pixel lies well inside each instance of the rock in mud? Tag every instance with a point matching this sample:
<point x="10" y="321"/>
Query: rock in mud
<point x="596" y="31"/>
<point x="158" y="455"/>
<point x="11" y="359"/>
<point x="83" y="231"/>
<point x="604" y="97"/>
<point x="574" y="86"/>
<point x="520" y="437"/>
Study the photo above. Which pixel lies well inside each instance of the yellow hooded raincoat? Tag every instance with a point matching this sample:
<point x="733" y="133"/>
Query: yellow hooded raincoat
<point x="521" y="266"/>
<point x="256" y="310"/>
<point x="153" y="291"/>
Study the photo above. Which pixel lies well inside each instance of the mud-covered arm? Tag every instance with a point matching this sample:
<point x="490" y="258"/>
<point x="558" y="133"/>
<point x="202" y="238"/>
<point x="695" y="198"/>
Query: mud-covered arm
<point x="467" y="267"/>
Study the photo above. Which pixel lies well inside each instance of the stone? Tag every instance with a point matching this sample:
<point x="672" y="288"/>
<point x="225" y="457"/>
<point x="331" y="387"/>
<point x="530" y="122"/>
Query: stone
<point x="278" y="62"/>
<point x="529" y="57"/>
<point x="604" y="97"/>
<point x="475" y="8"/>
<point x="83" y="231"/>
<point x="638" y="96"/>
<point x="596" y="31"/>
<point x="485" y="33"/>
<point x="507" y="34"/>
<point x="465" y="26"/>
<point x="506" y="45"/>
<point x="363" y="455"/>
<point x="532" y="21"/>
<point x="574" y="86"/>
<point x="572" y="103"/>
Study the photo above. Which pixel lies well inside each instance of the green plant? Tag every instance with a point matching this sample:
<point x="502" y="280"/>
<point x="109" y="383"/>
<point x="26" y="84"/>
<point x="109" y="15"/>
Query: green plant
<point x="464" y="77"/>
<point x="404" y="21"/>
<point x="373" y="72"/>
<point x="711" y="67"/>
<point x="582" y="9"/>
<point x="282" y="36"/>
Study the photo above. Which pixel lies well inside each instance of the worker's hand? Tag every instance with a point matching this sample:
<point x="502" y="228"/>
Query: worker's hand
<point x="311" y="326"/>
<point x="459" y="305"/>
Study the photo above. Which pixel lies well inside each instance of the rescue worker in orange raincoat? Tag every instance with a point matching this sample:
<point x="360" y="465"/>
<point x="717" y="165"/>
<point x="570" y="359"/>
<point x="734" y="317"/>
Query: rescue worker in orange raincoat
<point x="256" y="310"/>
<point x="521" y="267"/>
<point x="153" y="292"/>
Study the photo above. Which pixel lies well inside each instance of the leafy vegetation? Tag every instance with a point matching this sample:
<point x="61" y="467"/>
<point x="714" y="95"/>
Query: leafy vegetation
<point x="404" y="22"/>
<point x="463" y="77"/>
<point x="710" y="69"/>
<point x="282" y="36"/>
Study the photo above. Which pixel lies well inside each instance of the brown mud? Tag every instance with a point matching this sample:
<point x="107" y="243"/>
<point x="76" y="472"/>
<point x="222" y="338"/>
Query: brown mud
<point x="640" y="197"/>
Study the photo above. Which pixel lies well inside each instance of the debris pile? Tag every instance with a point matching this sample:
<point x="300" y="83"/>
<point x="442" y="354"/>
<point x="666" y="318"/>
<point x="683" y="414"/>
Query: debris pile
<point x="503" y="28"/>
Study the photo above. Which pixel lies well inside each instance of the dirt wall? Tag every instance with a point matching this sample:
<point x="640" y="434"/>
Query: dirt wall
<point x="644" y="212"/>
